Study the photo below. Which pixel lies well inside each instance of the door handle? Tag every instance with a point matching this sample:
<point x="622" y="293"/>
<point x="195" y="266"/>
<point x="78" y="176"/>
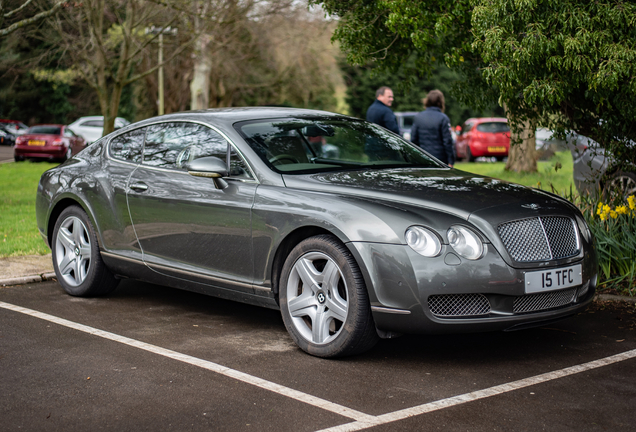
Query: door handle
<point x="139" y="187"/>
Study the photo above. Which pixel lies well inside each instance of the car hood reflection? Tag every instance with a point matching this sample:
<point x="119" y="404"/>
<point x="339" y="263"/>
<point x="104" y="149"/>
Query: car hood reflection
<point x="430" y="188"/>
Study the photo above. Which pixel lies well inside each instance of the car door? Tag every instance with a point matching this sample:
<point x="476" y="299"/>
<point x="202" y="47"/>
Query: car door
<point x="124" y="154"/>
<point x="187" y="228"/>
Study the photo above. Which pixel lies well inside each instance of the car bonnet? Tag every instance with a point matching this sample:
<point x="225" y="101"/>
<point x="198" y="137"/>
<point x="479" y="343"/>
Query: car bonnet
<point x="451" y="191"/>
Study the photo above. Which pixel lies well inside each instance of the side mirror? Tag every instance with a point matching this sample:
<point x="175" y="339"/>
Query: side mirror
<point x="211" y="167"/>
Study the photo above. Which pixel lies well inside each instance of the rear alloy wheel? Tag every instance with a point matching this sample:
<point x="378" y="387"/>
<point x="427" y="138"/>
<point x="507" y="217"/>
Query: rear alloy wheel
<point x="324" y="301"/>
<point x="620" y="185"/>
<point x="76" y="258"/>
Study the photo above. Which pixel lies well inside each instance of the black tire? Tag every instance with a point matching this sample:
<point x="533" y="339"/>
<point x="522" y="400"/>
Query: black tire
<point x="76" y="258"/>
<point x="326" y="321"/>
<point x="18" y="158"/>
<point x="469" y="155"/>
<point x="500" y="158"/>
<point x="619" y="186"/>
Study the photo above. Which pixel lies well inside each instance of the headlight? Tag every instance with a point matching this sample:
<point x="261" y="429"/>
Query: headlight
<point x="423" y="241"/>
<point x="465" y="242"/>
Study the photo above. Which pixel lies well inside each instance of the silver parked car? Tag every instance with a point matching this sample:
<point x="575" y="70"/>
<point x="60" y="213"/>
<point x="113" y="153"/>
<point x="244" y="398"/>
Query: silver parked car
<point x="595" y="173"/>
<point x="91" y="128"/>
<point x="370" y="241"/>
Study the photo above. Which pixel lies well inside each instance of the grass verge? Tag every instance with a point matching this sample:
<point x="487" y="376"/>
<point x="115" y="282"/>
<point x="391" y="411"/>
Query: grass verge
<point x="18" y="229"/>
<point x="554" y="175"/>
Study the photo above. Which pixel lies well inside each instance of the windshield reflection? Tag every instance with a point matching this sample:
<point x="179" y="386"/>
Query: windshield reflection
<point x="304" y="145"/>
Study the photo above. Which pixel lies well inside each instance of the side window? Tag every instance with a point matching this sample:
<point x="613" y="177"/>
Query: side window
<point x="173" y="145"/>
<point x="128" y="146"/>
<point x="167" y="144"/>
<point x="68" y="133"/>
<point x="93" y="123"/>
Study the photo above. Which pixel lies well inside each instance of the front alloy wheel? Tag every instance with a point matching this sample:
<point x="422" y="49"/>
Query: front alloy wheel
<point x="323" y="298"/>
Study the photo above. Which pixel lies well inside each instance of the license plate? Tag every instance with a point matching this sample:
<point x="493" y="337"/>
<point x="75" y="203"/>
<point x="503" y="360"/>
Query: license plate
<point x="37" y="143"/>
<point x="496" y="149"/>
<point x="555" y="279"/>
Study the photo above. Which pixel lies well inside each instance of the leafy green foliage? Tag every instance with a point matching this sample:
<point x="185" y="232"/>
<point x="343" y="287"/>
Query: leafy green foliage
<point x="564" y="64"/>
<point x="614" y="227"/>
<point x="569" y="64"/>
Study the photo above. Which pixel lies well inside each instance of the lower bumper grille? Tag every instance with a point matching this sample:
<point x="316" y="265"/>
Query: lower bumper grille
<point x="459" y="305"/>
<point x="544" y="301"/>
<point x="476" y="305"/>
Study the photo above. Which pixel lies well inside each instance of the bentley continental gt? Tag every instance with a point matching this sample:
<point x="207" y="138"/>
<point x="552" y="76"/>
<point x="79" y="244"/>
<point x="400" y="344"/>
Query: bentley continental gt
<point x="352" y="232"/>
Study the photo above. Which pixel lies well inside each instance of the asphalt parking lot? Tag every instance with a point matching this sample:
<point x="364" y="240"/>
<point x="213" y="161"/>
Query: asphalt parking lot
<point x="154" y="358"/>
<point x="6" y="154"/>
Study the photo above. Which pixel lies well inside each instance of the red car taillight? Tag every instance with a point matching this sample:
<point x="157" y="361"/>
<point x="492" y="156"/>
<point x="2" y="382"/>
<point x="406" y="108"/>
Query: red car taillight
<point x="58" y="142"/>
<point x="20" y="140"/>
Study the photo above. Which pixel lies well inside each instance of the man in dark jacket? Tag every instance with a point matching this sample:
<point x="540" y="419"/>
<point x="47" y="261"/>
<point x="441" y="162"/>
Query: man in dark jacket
<point x="431" y="129"/>
<point x="379" y="111"/>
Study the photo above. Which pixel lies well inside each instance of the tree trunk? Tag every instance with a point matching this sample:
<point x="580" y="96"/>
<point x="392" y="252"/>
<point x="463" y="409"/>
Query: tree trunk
<point x="200" y="84"/>
<point x="522" y="156"/>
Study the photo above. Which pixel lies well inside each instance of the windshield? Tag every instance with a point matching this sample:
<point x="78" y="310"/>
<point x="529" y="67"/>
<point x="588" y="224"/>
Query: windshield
<point x="307" y="145"/>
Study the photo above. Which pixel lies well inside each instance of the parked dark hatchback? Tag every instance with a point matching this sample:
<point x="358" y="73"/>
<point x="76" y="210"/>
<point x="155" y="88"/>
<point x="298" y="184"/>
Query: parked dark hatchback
<point x="351" y="231"/>
<point x="51" y="142"/>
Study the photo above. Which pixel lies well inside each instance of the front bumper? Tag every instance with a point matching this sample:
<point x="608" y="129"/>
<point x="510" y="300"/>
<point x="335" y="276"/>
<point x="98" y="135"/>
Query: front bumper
<point x="405" y="289"/>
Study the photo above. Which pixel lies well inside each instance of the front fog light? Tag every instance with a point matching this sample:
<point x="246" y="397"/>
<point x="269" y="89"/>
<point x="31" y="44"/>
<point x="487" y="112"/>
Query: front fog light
<point x="465" y="242"/>
<point x="423" y="241"/>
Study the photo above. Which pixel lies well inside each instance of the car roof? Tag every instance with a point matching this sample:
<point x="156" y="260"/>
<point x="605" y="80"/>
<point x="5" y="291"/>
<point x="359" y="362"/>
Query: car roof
<point x="95" y="118"/>
<point x="229" y="116"/>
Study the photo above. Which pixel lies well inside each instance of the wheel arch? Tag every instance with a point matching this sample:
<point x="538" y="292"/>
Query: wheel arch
<point x="57" y="209"/>
<point x="285" y="247"/>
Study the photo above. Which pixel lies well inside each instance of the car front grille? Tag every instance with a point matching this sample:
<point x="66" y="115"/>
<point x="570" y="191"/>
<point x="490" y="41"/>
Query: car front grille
<point x="543" y="301"/>
<point x="459" y="305"/>
<point x="540" y="238"/>
<point x="478" y="305"/>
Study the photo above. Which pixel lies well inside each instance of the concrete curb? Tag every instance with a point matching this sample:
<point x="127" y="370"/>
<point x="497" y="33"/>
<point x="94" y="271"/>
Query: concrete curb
<point x="27" y="279"/>
<point x="612" y="297"/>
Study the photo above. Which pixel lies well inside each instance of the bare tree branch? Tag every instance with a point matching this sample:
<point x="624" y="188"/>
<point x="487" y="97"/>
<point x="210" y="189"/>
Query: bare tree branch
<point x="34" y="19"/>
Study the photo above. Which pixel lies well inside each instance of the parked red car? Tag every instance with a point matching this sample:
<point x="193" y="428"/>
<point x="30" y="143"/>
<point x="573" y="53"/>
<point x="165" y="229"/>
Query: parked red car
<point x="488" y="136"/>
<point x="52" y="142"/>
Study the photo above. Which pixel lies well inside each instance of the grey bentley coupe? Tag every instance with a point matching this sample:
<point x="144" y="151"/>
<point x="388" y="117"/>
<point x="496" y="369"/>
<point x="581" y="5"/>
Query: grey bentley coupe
<point x="352" y="232"/>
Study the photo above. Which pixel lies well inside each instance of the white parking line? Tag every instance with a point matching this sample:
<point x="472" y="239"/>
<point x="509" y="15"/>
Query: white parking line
<point x="480" y="394"/>
<point x="214" y="367"/>
<point x="362" y="420"/>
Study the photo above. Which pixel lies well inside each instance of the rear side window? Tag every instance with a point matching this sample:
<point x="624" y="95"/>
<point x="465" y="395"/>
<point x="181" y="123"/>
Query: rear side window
<point x="493" y="127"/>
<point x="128" y="146"/>
<point x="93" y="123"/>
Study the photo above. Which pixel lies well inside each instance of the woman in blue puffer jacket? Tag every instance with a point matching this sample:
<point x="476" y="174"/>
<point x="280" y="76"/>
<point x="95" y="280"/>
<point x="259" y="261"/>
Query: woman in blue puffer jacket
<point x="431" y="129"/>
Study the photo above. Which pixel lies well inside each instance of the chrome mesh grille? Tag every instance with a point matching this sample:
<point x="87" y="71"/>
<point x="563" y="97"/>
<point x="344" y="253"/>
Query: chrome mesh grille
<point x="458" y="305"/>
<point x="543" y="301"/>
<point x="539" y="239"/>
